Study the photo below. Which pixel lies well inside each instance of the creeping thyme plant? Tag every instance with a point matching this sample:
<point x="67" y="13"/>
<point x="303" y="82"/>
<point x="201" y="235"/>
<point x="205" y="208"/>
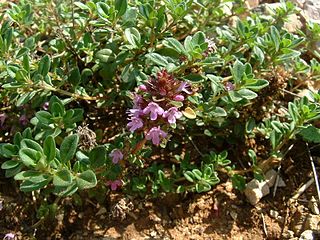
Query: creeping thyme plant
<point x="150" y="97"/>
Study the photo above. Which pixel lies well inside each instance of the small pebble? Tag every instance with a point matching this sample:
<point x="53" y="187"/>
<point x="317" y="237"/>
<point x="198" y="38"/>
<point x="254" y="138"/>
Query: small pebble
<point x="274" y="214"/>
<point x="313" y="206"/>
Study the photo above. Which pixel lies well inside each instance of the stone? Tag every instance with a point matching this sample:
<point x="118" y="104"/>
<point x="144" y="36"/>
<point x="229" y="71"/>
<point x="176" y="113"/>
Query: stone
<point x="255" y="190"/>
<point x="252" y="4"/>
<point x="101" y="211"/>
<point x="311" y="9"/>
<point x="226" y="8"/>
<point x="280" y="219"/>
<point x="293" y="24"/>
<point x="312" y="222"/>
<point x="307" y="235"/>
<point x="281" y="183"/>
<point x="274" y="214"/>
<point x="234" y="215"/>
<point x="313" y="206"/>
<point x="299" y="3"/>
<point x="288" y="234"/>
<point x="270" y="177"/>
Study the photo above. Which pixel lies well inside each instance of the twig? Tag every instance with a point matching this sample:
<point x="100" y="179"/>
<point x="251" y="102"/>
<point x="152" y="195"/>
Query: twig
<point x="63" y="92"/>
<point x="264" y="225"/>
<point x="315" y="175"/>
<point x="195" y="146"/>
<point x="296" y="95"/>
<point x="291" y="93"/>
<point x="285" y="221"/>
<point x="277" y="182"/>
<point x="302" y="189"/>
<point x="278" y="172"/>
<point x="5" y="108"/>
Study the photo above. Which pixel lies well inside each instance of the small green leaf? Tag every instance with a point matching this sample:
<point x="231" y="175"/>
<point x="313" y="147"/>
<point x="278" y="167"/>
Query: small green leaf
<point x="288" y="54"/>
<point x="62" y="178"/>
<point x="174" y="44"/>
<point x="105" y="55"/>
<point x="219" y="112"/>
<point x="74" y="77"/>
<point x="250" y="125"/>
<point x="238" y="71"/>
<point x="28" y="143"/>
<point x="207" y="172"/>
<point x="68" y="147"/>
<point x="23" y="51"/>
<point x="235" y="96"/>
<point x="253" y="156"/>
<point x="121" y="7"/>
<point x="199" y="39"/>
<point x="259" y="54"/>
<point x="238" y="182"/>
<point x="133" y="36"/>
<point x="24" y="98"/>
<point x="97" y="156"/>
<point x="157" y="59"/>
<point x="256" y="84"/>
<point x="49" y="148"/>
<point x="26" y="63"/>
<point x="103" y="11"/>
<point x="35" y="184"/>
<point x="293" y="112"/>
<point x="86" y="179"/>
<point x="311" y="134"/>
<point x="66" y="191"/>
<point x="25" y="175"/>
<point x="189" y="176"/>
<point x="44" y="65"/>
<point x="13" y="171"/>
<point x="44" y="117"/>
<point x="277" y="126"/>
<point x="29" y="157"/>
<point x="247" y="94"/>
<point x="203" y="187"/>
<point x="8" y="150"/>
<point x="10" y="164"/>
<point x="275" y="36"/>
<point x="57" y="109"/>
<point x="197" y="173"/>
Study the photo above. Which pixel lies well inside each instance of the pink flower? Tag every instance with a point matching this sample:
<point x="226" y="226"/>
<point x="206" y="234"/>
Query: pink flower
<point x="135" y="124"/>
<point x="154" y="134"/>
<point x="154" y="109"/>
<point x="9" y="236"/>
<point x="114" y="184"/>
<point x="142" y="88"/>
<point x="172" y="114"/>
<point x="134" y="112"/>
<point x="178" y="98"/>
<point x="183" y="88"/>
<point x="116" y="155"/>
<point x="137" y="100"/>
<point x="229" y="86"/>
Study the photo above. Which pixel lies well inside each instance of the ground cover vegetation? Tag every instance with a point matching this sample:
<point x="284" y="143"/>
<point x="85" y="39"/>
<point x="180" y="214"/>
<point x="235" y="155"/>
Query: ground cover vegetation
<point x="148" y="98"/>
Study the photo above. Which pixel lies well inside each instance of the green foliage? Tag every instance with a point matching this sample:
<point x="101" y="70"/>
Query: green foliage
<point x="70" y="65"/>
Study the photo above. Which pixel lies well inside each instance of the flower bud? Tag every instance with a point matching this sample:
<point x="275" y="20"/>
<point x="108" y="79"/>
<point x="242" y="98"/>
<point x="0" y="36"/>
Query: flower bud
<point x="229" y="86"/>
<point x="45" y="106"/>
<point x="178" y="98"/>
<point x="143" y="88"/>
<point x="23" y="120"/>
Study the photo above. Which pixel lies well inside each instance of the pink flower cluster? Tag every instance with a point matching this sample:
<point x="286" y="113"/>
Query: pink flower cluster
<point x="153" y="108"/>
